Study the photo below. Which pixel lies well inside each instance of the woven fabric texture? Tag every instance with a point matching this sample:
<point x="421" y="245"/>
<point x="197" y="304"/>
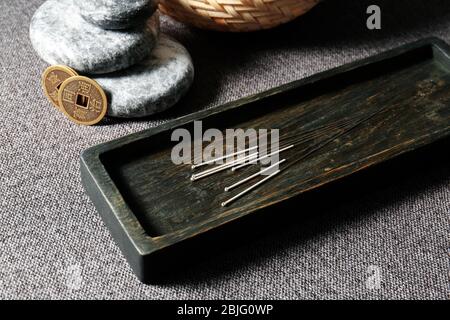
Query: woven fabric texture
<point x="54" y="245"/>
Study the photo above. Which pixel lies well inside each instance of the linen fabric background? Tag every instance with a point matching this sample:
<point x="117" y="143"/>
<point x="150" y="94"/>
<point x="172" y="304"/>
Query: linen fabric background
<point x="54" y="245"/>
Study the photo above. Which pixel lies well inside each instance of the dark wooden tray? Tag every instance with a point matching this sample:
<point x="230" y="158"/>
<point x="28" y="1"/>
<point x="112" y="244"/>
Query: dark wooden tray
<point x="157" y="215"/>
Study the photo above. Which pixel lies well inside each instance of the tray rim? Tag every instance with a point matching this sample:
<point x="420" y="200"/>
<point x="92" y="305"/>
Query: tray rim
<point x="124" y="216"/>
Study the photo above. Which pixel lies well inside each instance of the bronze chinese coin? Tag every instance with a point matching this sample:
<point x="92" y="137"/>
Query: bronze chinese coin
<point x="82" y="100"/>
<point x="52" y="78"/>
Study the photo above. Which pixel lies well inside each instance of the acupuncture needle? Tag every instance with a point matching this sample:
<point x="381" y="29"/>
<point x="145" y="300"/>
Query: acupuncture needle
<point x="225" y="203"/>
<point x="239" y="195"/>
<point x="309" y="135"/>
<point x="243" y="193"/>
<point x="237" y="184"/>
<point x="223" y="157"/>
<point x="337" y="136"/>
<point x="222" y="167"/>
<point x="194" y="166"/>
<point x="239" y="163"/>
<point x="229" y="155"/>
<point x="298" y="140"/>
<point x="227" y="164"/>
<point x="262" y="157"/>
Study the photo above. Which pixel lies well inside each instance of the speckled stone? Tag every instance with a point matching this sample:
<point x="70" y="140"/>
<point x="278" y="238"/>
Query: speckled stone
<point x="151" y="86"/>
<point x="61" y="36"/>
<point x="116" y="14"/>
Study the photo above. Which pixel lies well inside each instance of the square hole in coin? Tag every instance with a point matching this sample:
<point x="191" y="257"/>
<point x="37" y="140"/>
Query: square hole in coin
<point x="82" y="101"/>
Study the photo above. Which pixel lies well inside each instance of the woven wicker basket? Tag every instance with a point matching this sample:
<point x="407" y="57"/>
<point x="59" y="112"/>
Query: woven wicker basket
<point x="235" y="15"/>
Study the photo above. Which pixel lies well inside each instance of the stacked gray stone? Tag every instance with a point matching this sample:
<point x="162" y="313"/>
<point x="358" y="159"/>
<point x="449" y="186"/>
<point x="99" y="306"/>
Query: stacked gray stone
<point x="117" y="43"/>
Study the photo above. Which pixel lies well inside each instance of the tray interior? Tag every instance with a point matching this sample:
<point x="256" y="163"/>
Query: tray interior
<point x="412" y="89"/>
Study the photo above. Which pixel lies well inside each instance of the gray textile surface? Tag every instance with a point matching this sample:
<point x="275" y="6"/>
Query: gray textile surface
<point x="54" y="245"/>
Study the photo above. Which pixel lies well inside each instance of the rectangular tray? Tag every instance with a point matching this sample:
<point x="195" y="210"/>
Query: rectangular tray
<point x="157" y="215"/>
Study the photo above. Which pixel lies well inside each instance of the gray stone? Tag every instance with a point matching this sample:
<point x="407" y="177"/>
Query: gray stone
<point x="61" y="36"/>
<point x="151" y="86"/>
<point x="116" y="14"/>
